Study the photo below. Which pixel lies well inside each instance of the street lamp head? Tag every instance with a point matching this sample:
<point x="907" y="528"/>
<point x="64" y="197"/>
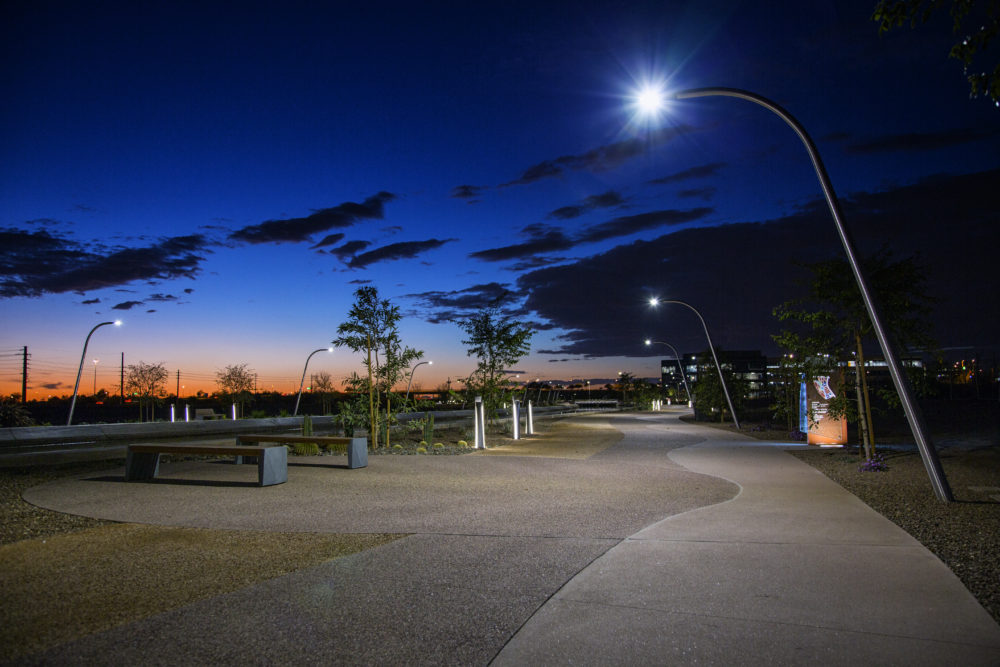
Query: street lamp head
<point x="117" y="323"/>
<point x="649" y="342"/>
<point x="654" y="301"/>
<point x="650" y="100"/>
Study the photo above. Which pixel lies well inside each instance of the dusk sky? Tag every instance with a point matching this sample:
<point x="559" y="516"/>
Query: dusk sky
<point x="222" y="178"/>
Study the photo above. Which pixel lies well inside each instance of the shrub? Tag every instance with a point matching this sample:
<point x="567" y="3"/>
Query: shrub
<point x="421" y="450"/>
<point x="875" y="464"/>
<point x="397" y="448"/>
<point x="423" y="443"/>
<point x="438" y="445"/>
<point x="462" y="443"/>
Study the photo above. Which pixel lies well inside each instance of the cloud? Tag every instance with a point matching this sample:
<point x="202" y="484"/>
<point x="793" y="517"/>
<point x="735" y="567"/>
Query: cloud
<point x="918" y="141"/>
<point x="402" y="250"/>
<point x="735" y="274"/>
<point x="457" y="305"/>
<point x="126" y="305"/>
<point x="602" y="158"/>
<point x="161" y="297"/>
<point x="37" y="263"/>
<point x="330" y="239"/>
<point x="550" y="241"/>
<point x="467" y="191"/>
<point x="606" y="200"/>
<point x="702" y="171"/>
<point x="553" y="239"/>
<point x="630" y="224"/>
<point x="88" y="302"/>
<point x="298" y="230"/>
<point x="350" y="248"/>
<point x="698" y="193"/>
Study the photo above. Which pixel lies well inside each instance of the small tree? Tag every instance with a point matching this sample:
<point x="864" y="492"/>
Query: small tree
<point x="147" y="381"/>
<point x="498" y="342"/>
<point x="372" y="327"/>
<point x="236" y="383"/>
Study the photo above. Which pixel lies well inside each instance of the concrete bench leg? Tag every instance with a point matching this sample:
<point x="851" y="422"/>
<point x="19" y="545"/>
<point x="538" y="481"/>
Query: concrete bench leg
<point x="272" y="467"/>
<point x="357" y="453"/>
<point x="141" y="465"/>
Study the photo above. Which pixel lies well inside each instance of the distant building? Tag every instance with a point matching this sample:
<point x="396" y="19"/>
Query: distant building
<point x="747" y="365"/>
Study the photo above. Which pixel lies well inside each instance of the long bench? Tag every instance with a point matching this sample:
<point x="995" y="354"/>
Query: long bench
<point x="357" y="448"/>
<point x="142" y="461"/>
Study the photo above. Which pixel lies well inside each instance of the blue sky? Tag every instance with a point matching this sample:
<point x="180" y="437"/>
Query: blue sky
<point x="223" y="179"/>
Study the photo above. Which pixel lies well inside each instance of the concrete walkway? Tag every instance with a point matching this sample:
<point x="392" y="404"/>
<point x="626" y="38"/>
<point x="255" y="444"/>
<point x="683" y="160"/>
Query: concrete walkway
<point x="678" y="545"/>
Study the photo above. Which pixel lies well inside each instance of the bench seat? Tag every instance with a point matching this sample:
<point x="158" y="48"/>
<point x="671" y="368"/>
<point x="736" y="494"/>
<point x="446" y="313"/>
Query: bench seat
<point x="142" y="461"/>
<point x="357" y="448"/>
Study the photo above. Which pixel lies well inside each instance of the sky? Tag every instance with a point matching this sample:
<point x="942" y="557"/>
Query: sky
<point x="223" y="178"/>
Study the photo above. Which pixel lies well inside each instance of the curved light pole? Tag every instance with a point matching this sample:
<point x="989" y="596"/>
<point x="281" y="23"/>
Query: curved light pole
<point x="680" y="364"/>
<point x="654" y="302"/>
<point x="410" y="382"/>
<point x="303" y="381"/>
<point x="914" y="415"/>
<point x="79" y="372"/>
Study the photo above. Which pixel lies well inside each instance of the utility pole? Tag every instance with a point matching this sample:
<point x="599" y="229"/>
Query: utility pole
<point x="121" y="386"/>
<point x="178" y="394"/>
<point x="24" y="376"/>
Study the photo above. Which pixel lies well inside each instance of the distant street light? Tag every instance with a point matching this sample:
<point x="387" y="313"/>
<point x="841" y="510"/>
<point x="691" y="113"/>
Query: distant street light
<point x="650" y="101"/>
<point x="680" y="364"/>
<point x="303" y="381"/>
<point x="410" y="382"/>
<point x="79" y="372"/>
<point x="655" y="302"/>
<point x="95" y="376"/>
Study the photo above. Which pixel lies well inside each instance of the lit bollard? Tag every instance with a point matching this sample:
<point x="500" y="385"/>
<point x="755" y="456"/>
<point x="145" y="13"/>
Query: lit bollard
<point x="479" y="423"/>
<point x="515" y="415"/>
<point x="234" y="412"/>
<point x="187" y="413"/>
<point x="530" y="426"/>
<point x="172" y="406"/>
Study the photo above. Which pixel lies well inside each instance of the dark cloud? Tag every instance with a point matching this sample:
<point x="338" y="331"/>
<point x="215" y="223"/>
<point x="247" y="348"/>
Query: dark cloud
<point x="703" y="171"/>
<point x="697" y="193"/>
<point x="546" y="240"/>
<point x="918" y="141"/>
<point x="329" y="240"/>
<point x="602" y="158"/>
<point x="467" y="191"/>
<point x="457" y="305"/>
<point x="350" y="248"/>
<point x="605" y="200"/>
<point x="88" y="302"/>
<point x="402" y="250"/>
<point x="188" y="290"/>
<point x="736" y="274"/>
<point x="298" y="230"/>
<point x="630" y="224"/>
<point x="161" y="297"/>
<point x="37" y="263"/>
<point x="550" y="241"/>
<point x="126" y="305"/>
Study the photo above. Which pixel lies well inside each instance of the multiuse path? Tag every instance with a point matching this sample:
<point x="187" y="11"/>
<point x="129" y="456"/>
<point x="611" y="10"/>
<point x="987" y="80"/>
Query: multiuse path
<point x="677" y="544"/>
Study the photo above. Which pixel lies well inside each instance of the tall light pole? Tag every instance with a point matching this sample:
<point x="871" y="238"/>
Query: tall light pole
<point x="303" y="381"/>
<point x="914" y="415"/>
<point x="95" y="376"/>
<point x="79" y="372"/>
<point x="729" y="401"/>
<point x="680" y="364"/>
<point x="410" y="382"/>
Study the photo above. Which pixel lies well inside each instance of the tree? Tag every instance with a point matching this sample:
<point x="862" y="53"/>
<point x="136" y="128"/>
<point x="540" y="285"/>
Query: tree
<point x="709" y="395"/>
<point x="836" y="324"/>
<point x="236" y="383"/>
<point x="983" y="17"/>
<point x="372" y="327"/>
<point x="147" y="381"/>
<point x="498" y="342"/>
<point x="322" y="383"/>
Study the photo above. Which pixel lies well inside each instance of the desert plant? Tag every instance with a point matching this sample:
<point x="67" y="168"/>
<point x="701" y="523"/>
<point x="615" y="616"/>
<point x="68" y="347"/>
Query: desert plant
<point x="307" y="425"/>
<point x="421" y="450"/>
<point x="306" y="449"/>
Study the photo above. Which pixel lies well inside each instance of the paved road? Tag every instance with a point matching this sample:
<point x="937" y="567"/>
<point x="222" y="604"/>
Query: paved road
<point x="678" y="544"/>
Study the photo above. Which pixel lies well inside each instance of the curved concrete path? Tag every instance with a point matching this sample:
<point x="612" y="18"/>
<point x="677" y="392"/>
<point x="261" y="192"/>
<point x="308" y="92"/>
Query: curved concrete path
<point x="677" y="544"/>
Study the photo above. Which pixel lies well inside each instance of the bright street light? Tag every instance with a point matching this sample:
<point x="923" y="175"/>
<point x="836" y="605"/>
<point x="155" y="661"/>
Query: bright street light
<point x="680" y="364"/>
<point x="914" y="415"/>
<point x="655" y="302"/>
<point x="414" y="370"/>
<point x="303" y="381"/>
<point x="79" y="372"/>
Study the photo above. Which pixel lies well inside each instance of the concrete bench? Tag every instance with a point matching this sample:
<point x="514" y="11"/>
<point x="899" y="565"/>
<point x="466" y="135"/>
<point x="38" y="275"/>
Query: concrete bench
<point x="201" y="414"/>
<point x="142" y="461"/>
<point x="357" y="448"/>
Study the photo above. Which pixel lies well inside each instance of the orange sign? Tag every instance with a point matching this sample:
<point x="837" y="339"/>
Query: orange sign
<point x="824" y="429"/>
